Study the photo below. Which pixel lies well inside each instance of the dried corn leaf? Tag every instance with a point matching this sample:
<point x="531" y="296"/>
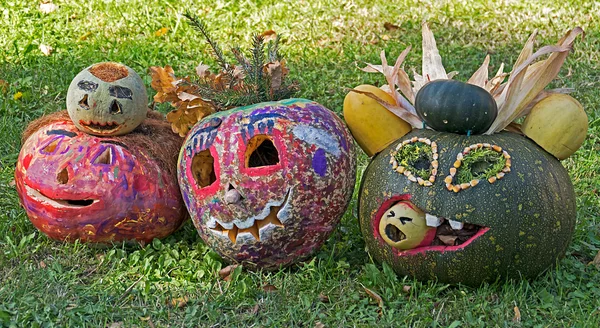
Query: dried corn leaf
<point x="528" y="79"/>
<point x="432" y="61"/>
<point x="493" y="85"/>
<point x="480" y="77"/>
<point x="398" y="110"/>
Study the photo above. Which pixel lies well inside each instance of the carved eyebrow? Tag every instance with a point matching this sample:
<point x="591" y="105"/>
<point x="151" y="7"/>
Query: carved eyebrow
<point x="257" y="117"/>
<point x="404" y="219"/>
<point x="391" y="215"/>
<point x="113" y="142"/>
<point x="88" y="86"/>
<point x="120" y="92"/>
<point x="62" y="133"/>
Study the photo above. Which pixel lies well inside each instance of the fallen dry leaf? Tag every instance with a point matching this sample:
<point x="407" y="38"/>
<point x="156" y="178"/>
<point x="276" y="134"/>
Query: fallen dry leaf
<point x="46" y="50"/>
<point x="42" y="264"/>
<point x="12" y="183"/>
<point x="374" y="296"/>
<point x="179" y="302"/>
<point x="390" y="27"/>
<point x="517" y="317"/>
<point x="319" y="324"/>
<point x="406" y="289"/>
<point x="47" y="7"/>
<point x="255" y="309"/>
<point x="71" y="307"/>
<point x="117" y="324"/>
<point x="269" y="288"/>
<point x="3" y="86"/>
<point x="323" y="298"/>
<point x="226" y="271"/>
<point x="202" y="70"/>
<point x="269" y="35"/>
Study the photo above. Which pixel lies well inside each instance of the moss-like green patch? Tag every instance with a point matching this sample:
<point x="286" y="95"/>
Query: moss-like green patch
<point x="479" y="164"/>
<point x="416" y="157"/>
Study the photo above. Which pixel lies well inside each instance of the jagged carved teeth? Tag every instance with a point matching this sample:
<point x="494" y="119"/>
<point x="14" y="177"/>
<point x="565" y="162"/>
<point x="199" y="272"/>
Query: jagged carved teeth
<point x="100" y="125"/>
<point x="434" y="221"/>
<point x="275" y="213"/>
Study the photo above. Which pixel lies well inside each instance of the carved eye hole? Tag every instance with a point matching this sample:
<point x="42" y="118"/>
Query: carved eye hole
<point x="203" y="168"/>
<point x="106" y="157"/>
<point x="476" y="163"/>
<point x="261" y="152"/>
<point x="84" y="102"/>
<point x="115" y="107"/>
<point x="417" y="159"/>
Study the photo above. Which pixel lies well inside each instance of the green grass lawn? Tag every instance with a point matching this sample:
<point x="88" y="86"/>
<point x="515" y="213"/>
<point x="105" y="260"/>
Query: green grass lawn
<point x="46" y="283"/>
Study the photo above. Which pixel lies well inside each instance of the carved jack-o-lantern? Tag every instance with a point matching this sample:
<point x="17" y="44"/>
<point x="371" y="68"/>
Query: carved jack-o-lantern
<point x="266" y="184"/>
<point x="107" y="99"/>
<point x="77" y="186"/>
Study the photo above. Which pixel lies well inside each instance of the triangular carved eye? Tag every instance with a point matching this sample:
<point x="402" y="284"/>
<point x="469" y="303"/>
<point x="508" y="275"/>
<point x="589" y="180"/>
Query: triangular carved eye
<point x="116" y="108"/>
<point x="476" y="163"/>
<point x="105" y="157"/>
<point x="84" y="102"/>
<point x="417" y="159"/>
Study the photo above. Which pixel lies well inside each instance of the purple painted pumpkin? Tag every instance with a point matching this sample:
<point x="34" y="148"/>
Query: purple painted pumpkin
<point x="77" y="186"/>
<point x="266" y="184"/>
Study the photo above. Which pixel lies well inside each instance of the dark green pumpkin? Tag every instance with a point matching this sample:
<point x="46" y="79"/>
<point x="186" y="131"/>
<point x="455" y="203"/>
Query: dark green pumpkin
<point x="530" y="212"/>
<point x="457" y="107"/>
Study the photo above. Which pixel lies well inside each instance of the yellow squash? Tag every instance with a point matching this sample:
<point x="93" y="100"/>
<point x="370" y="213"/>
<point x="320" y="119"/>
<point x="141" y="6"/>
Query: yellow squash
<point x="558" y="124"/>
<point x="372" y="125"/>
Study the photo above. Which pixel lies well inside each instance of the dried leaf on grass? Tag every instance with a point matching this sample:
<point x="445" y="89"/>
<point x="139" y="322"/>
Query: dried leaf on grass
<point x="517" y="317"/>
<point x="390" y="27"/>
<point x="374" y="296"/>
<point x="323" y="298"/>
<point x="319" y="324"/>
<point x="46" y="49"/>
<point x="178" y="302"/>
<point x="269" y="288"/>
<point x="226" y="271"/>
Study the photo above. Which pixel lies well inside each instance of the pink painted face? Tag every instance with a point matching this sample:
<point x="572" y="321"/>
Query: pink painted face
<point x="266" y="184"/>
<point x="77" y="186"/>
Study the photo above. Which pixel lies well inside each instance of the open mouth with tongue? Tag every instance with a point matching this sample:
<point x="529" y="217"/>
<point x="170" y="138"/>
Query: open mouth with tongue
<point x="409" y="230"/>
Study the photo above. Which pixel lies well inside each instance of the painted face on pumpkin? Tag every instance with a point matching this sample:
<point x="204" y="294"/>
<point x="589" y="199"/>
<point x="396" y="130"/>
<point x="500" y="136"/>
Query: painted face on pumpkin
<point x="499" y="206"/>
<point x="266" y="184"/>
<point x="77" y="186"/>
<point x="107" y="99"/>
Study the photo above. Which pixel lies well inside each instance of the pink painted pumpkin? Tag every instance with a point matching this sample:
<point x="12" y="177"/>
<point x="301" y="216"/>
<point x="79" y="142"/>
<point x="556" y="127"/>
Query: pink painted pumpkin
<point x="78" y="186"/>
<point x="266" y="184"/>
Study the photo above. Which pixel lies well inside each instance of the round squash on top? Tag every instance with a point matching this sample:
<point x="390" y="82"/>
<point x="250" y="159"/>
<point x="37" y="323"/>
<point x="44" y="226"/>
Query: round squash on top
<point x="373" y="126"/>
<point x="457" y="107"/>
<point x="558" y="124"/>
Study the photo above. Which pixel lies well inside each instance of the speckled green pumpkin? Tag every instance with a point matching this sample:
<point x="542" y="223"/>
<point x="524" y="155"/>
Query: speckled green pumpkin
<point x="530" y="212"/>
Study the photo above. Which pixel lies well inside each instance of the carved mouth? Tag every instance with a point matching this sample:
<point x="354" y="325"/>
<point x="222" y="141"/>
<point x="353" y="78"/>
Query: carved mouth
<point x="101" y="127"/>
<point x="274" y="214"/>
<point x="59" y="203"/>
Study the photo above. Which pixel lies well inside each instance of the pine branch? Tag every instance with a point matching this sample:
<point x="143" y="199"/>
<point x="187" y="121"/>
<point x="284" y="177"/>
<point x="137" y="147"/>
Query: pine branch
<point x="198" y="25"/>
<point x="273" y="49"/>
<point x="258" y="58"/>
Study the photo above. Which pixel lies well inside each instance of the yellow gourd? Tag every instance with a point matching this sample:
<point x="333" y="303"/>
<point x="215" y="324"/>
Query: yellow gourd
<point x="558" y="124"/>
<point x="372" y="125"/>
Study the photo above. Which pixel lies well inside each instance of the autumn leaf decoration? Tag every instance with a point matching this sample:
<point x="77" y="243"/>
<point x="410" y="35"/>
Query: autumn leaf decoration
<point x="259" y="78"/>
<point x="524" y="88"/>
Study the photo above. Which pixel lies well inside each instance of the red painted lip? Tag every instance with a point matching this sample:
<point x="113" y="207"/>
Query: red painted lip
<point x="441" y="249"/>
<point x="420" y="249"/>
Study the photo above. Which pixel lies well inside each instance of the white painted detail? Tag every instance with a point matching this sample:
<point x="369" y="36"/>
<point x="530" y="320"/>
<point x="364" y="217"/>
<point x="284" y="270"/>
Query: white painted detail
<point x="432" y="220"/>
<point x="456" y="225"/>
<point x="318" y="137"/>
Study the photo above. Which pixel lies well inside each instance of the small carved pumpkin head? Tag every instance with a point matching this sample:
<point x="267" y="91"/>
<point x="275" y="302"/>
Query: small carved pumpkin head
<point x="107" y="99"/>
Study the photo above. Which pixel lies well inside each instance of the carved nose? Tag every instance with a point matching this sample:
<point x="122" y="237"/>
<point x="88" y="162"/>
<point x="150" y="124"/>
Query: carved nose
<point x="232" y="196"/>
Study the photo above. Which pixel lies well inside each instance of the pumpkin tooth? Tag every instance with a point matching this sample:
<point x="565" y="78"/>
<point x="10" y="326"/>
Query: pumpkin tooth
<point x="456" y="225"/>
<point x="432" y="220"/>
